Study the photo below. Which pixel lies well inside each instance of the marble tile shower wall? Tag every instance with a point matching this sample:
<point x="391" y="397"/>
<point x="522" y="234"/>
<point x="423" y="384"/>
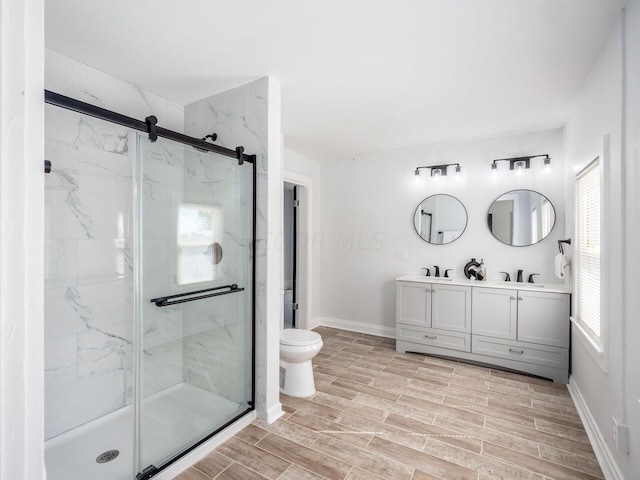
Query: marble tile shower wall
<point x="89" y="258"/>
<point x="217" y="331"/>
<point x="239" y="117"/>
<point x="89" y="269"/>
<point x="162" y="190"/>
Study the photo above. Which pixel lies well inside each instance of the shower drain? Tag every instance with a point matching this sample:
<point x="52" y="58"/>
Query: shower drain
<point x="107" y="456"/>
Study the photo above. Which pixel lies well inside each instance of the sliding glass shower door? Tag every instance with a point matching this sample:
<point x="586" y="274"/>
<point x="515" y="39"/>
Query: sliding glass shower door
<point x="194" y="298"/>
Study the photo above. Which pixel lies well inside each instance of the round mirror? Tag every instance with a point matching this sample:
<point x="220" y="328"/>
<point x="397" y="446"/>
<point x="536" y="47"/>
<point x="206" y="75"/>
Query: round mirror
<point x="440" y="219"/>
<point x="521" y="217"/>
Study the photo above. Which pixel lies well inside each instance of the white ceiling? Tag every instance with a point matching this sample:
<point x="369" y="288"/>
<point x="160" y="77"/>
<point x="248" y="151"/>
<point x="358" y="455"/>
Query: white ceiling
<point x="358" y="76"/>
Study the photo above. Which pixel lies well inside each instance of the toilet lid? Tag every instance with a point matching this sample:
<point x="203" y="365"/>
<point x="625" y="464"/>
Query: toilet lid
<point x="298" y="336"/>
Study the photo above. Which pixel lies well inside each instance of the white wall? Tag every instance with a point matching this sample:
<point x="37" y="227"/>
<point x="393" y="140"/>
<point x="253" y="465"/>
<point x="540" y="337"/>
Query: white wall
<point x="21" y="239"/>
<point x="367" y="216"/>
<point x="609" y="386"/>
<point x="631" y="306"/>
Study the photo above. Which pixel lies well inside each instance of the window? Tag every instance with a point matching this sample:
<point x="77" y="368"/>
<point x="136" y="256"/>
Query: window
<point x="199" y="229"/>
<point x="587" y="252"/>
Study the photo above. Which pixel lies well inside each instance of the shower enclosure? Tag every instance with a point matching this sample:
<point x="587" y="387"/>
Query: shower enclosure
<point x="149" y="299"/>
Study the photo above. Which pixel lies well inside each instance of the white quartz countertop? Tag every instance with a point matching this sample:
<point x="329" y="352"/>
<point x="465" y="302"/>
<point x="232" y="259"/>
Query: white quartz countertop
<point x="534" y="287"/>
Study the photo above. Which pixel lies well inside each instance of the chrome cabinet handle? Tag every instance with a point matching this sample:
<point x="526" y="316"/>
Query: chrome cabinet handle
<point x="432" y="337"/>
<point x="520" y="298"/>
<point x="513" y="298"/>
<point x="519" y="352"/>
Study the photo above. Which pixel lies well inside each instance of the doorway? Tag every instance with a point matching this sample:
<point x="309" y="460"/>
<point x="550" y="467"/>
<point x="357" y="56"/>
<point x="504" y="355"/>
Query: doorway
<point x="289" y="255"/>
<point x="295" y="257"/>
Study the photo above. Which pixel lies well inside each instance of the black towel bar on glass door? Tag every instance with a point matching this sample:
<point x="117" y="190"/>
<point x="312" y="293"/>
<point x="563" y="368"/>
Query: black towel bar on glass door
<point x="166" y="301"/>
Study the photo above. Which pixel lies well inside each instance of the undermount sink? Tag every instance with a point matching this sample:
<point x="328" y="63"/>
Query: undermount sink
<point x="430" y="278"/>
<point x="522" y="285"/>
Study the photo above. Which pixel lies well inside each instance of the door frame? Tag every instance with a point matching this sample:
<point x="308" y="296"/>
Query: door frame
<point x="303" y="247"/>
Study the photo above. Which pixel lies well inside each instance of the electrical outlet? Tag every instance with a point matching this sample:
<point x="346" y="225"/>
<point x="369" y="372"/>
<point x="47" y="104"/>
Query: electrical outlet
<point x="620" y="435"/>
<point x="402" y="254"/>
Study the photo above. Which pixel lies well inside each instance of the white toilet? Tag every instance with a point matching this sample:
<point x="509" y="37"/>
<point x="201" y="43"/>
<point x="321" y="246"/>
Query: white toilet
<point x="297" y="348"/>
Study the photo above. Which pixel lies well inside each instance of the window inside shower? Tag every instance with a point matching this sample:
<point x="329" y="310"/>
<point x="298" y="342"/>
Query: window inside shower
<point x="199" y="236"/>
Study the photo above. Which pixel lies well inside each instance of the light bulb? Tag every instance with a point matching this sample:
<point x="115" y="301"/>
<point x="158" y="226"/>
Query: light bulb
<point x="417" y="175"/>
<point x="436" y="173"/>
<point x="519" y="168"/>
<point x="547" y="166"/>
<point x="494" y="170"/>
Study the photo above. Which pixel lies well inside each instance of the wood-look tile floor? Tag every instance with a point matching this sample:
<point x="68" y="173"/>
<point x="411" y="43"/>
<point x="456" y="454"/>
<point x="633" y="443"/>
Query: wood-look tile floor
<point x="378" y="414"/>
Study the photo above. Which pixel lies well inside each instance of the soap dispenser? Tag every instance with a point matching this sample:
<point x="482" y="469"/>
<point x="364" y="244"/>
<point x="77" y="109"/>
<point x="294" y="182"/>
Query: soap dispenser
<point x="482" y="270"/>
<point x="471" y="268"/>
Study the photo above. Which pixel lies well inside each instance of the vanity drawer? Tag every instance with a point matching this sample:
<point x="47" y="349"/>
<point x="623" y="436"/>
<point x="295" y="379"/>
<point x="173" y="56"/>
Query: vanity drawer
<point x="521" y="351"/>
<point x="434" y="337"/>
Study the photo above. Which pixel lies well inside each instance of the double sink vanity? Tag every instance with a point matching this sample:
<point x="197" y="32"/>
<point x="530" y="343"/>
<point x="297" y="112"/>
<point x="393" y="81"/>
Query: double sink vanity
<point x="519" y="326"/>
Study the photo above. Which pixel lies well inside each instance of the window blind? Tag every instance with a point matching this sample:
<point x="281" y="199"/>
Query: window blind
<point x="588" y="249"/>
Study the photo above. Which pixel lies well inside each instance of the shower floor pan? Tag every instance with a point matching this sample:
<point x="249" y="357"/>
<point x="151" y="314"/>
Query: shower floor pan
<point x="72" y="455"/>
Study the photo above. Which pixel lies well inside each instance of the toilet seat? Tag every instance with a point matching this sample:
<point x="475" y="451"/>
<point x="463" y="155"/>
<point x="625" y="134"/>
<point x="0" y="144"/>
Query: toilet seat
<point x="297" y="337"/>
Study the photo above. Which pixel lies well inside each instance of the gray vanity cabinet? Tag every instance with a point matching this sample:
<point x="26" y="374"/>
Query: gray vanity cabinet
<point x="542" y="318"/>
<point x="495" y="312"/>
<point x="434" y="314"/>
<point x="451" y="308"/>
<point x="526" y="316"/>
<point x="524" y="329"/>
<point x="414" y="304"/>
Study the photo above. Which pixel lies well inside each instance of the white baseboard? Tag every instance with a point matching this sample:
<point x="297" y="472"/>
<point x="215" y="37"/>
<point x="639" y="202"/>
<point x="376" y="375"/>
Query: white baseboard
<point x="360" y="327"/>
<point x="314" y="322"/>
<point x="205" y="449"/>
<point x="600" y="447"/>
<point x="274" y="413"/>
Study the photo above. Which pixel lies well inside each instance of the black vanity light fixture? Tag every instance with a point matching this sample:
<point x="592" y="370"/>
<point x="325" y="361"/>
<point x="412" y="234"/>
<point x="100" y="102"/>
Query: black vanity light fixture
<point x="520" y="164"/>
<point x="437" y="170"/>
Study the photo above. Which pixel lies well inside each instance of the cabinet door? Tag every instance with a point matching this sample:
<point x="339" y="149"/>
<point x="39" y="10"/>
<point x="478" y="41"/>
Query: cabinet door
<point x="413" y="305"/>
<point x="494" y="312"/>
<point x="543" y="318"/>
<point x="451" y="308"/>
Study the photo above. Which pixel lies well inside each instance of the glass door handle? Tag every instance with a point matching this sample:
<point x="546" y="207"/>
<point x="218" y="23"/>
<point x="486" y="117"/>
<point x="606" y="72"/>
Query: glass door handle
<point x="166" y="301"/>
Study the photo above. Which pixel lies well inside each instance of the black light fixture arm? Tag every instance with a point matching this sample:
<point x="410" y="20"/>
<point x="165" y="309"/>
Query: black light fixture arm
<point x="442" y="168"/>
<point x="512" y="161"/>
